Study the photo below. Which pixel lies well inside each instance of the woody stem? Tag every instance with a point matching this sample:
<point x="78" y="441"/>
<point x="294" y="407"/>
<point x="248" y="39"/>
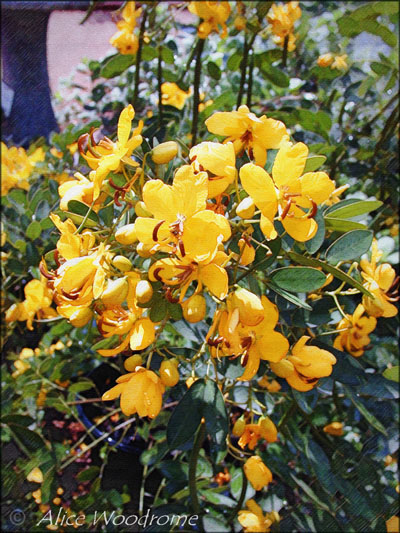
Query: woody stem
<point x="250" y="81"/>
<point x="159" y="82"/>
<point x="285" y="50"/>
<point x="193" y="467"/>
<point x="139" y="59"/>
<point x="196" y="90"/>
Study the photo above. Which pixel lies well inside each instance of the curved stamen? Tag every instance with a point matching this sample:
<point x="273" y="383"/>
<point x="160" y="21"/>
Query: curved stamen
<point x="155" y="230"/>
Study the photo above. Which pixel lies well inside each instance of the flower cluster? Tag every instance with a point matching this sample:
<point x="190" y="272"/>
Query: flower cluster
<point x="125" y="40"/>
<point x="17" y="167"/>
<point x="282" y="19"/>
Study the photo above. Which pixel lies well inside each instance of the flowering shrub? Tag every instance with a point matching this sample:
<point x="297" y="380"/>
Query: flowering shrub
<point x="229" y="263"/>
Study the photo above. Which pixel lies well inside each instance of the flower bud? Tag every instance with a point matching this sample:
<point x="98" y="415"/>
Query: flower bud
<point x="334" y="428"/>
<point x="257" y="472"/>
<point x="35" y="475"/>
<point x="194" y="308"/>
<point x="270" y="433"/>
<point x="283" y="368"/>
<point x="143" y="250"/>
<point x="141" y="211"/>
<point x="273" y="516"/>
<point x="132" y="362"/>
<point x="115" y="292"/>
<point x="164" y="152"/>
<point x="122" y="263"/>
<point x="81" y="317"/>
<point x="126" y="234"/>
<point x="169" y="372"/>
<point x="238" y="427"/>
<point x="144" y="291"/>
<point x="246" y="208"/>
<point x="240" y="22"/>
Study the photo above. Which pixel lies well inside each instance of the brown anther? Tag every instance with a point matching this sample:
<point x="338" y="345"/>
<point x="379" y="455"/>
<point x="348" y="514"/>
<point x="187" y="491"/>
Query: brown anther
<point x="245" y="358"/>
<point x="45" y="272"/>
<point x="155" y="230"/>
<point x="201" y="168"/>
<point x="81" y="141"/>
<point x="181" y="248"/>
<point x="313" y="210"/>
<point x="286" y="209"/>
<point x="193" y="159"/>
<point x="246" y="342"/>
<point x="56" y="257"/>
<point x="251" y="154"/>
<point x="215" y="341"/>
<point x="169" y="297"/>
<point x="156" y="274"/>
<point x="112" y="184"/>
<point x="116" y="198"/>
<point x="70" y="296"/>
<point x="91" y="133"/>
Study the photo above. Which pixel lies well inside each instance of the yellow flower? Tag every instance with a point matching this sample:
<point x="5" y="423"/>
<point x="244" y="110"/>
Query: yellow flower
<point x="218" y="160"/>
<point x="108" y="156"/>
<point x="214" y="15"/>
<point x="172" y="95"/>
<point x="340" y="62"/>
<point x="180" y="273"/>
<point x="21" y="367"/>
<point x="72" y="244"/>
<point x="246" y="329"/>
<point x="248" y="132"/>
<point x="334" y="428"/>
<point x="271" y="385"/>
<point x="81" y="189"/>
<point x="283" y="17"/>
<point x="288" y="191"/>
<point x="325" y="60"/>
<point x="35" y="475"/>
<point x="393" y="524"/>
<point x="124" y="40"/>
<point x="257" y="472"/>
<point x="141" y="392"/>
<point x="180" y="217"/>
<point x="37" y="302"/>
<point x="381" y="282"/>
<point x="280" y="41"/>
<point x="252" y="433"/>
<point x="164" y="152"/>
<point x="355" y="339"/>
<point x="305" y="366"/>
<point x="17" y="166"/>
<point x="254" y="520"/>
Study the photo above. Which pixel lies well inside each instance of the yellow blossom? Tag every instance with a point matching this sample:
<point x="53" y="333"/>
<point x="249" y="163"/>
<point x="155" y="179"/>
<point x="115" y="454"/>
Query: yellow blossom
<point x="108" y="156"/>
<point x="252" y="433"/>
<point x="164" y="152"/>
<point x="340" y="62"/>
<point x="124" y="40"/>
<point x="246" y="329"/>
<point x="334" y="428"/>
<point x="334" y="197"/>
<point x="257" y="472"/>
<point x="282" y="19"/>
<point x="305" y="366"/>
<point x="172" y="95"/>
<point x="271" y="385"/>
<point x="21" y="367"/>
<point x="35" y="475"/>
<point x="355" y="339"/>
<point x="293" y="195"/>
<point x="141" y="392"/>
<point x="253" y="520"/>
<point x="194" y="308"/>
<point x="180" y="217"/>
<point x="214" y="14"/>
<point x="218" y="160"/>
<point x="248" y="132"/>
<point x="325" y="60"/>
<point x="380" y="281"/>
<point x="17" y="166"/>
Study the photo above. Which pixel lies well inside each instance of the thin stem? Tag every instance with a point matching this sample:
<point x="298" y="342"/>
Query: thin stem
<point x="250" y="81"/>
<point x="193" y="467"/>
<point x="159" y="83"/>
<point x="243" y="75"/>
<point x="375" y="117"/>
<point x="196" y="90"/>
<point x="241" y="497"/>
<point x="139" y="59"/>
<point x="285" y="51"/>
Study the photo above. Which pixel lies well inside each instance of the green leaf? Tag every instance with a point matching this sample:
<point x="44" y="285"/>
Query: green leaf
<point x="105" y="343"/>
<point x="349" y="246"/>
<point x="380" y="68"/>
<point x="353" y="209"/>
<point x="289" y="296"/>
<point x="77" y="212"/>
<point x="339" y="274"/>
<point x="214" y="70"/>
<point x="275" y="75"/>
<point x="392" y="373"/>
<point x="298" y="279"/>
<point x="84" y="384"/>
<point x="234" y="61"/>
<point x="158" y="311"/>
<point x="116" y="65"/>
<point x="314" y="162"/>
<point x="314" y="244"/>
<point x="203" y="399"/>
<point x="148" y="52"/>
<point x="28" y="439"/>
<point x="88" y="474"/>
<point x="167" y="55"/>
<point x="337" y="224"/>
<point x="310" y="493"/>
<point x="372" y="26"/>
<point x="370" y="418"/>
<point x="34" y="230"/>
